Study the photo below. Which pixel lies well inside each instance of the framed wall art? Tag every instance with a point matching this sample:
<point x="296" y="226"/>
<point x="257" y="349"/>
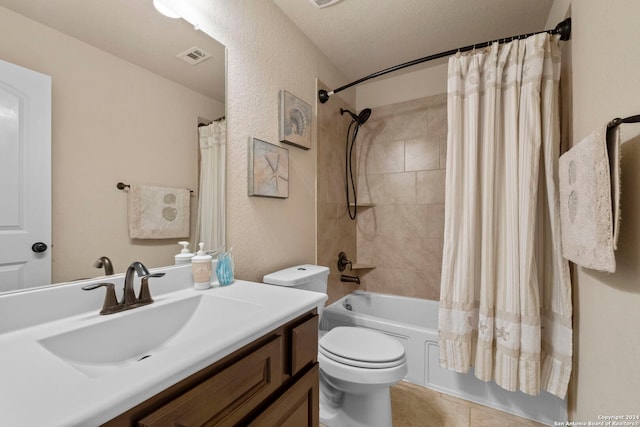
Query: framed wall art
<point x="268" y="169"/>
<point x="295" y="121"/>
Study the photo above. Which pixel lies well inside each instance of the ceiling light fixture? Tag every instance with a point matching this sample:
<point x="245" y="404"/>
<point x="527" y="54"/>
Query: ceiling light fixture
<point x="163" y="9"/>
<point x="323" y="3"/>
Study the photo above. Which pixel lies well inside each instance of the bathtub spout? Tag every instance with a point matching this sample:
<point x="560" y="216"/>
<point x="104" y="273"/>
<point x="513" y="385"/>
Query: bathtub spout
<point x="350" y="279"/>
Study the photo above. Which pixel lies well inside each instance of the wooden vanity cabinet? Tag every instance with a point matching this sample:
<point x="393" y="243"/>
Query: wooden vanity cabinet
<point x="272" y="381"/>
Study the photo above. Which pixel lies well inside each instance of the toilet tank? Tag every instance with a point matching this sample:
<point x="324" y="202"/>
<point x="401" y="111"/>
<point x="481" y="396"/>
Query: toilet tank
<point x="308" y="277"/>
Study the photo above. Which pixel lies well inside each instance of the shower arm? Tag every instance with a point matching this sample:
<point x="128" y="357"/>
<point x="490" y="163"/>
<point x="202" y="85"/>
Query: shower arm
<point x="563" y="29"/>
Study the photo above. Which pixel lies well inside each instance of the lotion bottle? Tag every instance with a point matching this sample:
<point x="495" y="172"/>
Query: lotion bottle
<point x="201" y="269"/>
<point x="184" y="257"/>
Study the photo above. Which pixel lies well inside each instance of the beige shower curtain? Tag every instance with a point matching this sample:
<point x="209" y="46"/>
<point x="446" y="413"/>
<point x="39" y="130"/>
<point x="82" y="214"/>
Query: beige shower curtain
<point x="210" y="225"/>
<point x="505" y="300"/>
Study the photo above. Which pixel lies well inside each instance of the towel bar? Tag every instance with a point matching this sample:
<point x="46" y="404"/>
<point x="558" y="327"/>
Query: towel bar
<point x="618" y="121"/>
<point x="122" y="186"/>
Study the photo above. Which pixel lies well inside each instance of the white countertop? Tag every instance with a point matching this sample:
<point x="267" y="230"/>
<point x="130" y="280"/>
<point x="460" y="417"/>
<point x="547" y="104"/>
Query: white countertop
<point x="39" y="389"/>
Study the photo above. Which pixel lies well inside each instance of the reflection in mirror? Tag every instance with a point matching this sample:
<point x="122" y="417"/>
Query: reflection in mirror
<point x="125" y="108"/>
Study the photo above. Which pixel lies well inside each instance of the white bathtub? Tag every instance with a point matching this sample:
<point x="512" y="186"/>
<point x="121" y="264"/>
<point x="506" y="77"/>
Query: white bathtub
<point x="414" y="322"/>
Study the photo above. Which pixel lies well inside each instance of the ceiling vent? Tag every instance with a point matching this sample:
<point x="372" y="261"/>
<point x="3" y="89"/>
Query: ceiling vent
<point x="194" y="56"/>
<point x="323" y="3"/>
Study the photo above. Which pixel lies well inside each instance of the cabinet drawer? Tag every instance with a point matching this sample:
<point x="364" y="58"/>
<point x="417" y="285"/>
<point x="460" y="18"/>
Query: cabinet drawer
<point x="228" y="396"/>
<point x="299" y="406"/>
<point x="304" y="344"/>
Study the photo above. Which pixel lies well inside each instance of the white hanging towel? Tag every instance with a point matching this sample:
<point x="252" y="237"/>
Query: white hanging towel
<point x="158" y="212"/>
<point x="589" y="175"/>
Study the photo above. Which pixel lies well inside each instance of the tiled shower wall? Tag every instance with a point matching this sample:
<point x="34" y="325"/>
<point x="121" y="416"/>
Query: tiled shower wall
<point x="335" y="231"/>
<point x="401" y="170"/>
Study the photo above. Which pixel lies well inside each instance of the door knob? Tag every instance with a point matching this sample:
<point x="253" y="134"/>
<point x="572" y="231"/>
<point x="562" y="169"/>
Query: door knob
<point x="39" y="247"/>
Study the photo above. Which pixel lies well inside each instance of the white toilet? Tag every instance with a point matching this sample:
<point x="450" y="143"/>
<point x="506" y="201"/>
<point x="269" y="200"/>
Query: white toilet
<point x="357" y="365"/>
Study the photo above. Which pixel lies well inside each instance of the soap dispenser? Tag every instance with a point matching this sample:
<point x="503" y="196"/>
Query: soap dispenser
<point x="184" y="257"/>
<point x="201" y="269"/>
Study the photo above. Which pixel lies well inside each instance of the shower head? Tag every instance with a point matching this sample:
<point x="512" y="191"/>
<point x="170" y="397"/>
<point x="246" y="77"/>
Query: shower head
<point x="364" y="116"/>
<point x="361" y="118"/>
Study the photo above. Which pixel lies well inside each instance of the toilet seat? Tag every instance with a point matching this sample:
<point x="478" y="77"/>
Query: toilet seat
<point x="362" y="348"/>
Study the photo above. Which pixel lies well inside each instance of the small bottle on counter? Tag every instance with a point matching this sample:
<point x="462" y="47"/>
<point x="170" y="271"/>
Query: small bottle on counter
<point x="201" y="269"/>
<point x="184" y="257"/>
<point x="224" y="268"/>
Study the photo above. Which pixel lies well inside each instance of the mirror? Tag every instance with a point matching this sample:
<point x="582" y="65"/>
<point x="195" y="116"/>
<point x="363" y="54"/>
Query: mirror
<point x="124" y="109"/>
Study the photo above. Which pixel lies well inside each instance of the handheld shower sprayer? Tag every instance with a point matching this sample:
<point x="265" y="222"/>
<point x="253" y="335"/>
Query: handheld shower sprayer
<point x="358" y="120"/>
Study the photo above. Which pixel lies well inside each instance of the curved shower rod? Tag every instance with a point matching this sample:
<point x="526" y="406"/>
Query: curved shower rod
<point x="563" y="29"/>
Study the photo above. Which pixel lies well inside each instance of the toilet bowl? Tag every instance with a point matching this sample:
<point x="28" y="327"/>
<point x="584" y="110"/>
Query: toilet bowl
<point x="357" y="365"/>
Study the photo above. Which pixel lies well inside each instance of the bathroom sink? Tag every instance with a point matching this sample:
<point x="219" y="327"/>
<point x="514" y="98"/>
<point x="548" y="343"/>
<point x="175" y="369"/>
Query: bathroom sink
<point x="116" y="341"/>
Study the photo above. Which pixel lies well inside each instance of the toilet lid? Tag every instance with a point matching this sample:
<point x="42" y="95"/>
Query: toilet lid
<point x="361" y="347"/>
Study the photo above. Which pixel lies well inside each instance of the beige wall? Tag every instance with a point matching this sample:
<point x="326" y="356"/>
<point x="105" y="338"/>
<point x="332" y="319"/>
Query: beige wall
<point x="266" y="53"/>
<point x="427" y="81"/>
<point x="606" y="84"/>
<point x="110" y="121"/>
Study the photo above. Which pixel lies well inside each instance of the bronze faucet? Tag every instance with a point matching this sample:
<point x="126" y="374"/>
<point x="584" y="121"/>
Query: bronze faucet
<point x="105" y="262"/>
<point x="128" y="295"/>
<point x="129" y="299"/>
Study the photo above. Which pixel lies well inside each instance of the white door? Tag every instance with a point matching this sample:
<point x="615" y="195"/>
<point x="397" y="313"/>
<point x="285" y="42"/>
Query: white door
<point x="25" y="178"/>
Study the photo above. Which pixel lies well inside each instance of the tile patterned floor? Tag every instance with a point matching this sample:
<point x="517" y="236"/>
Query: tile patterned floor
<point x="415" y="406"/>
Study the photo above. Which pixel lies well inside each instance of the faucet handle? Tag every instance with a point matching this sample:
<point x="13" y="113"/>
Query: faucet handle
<point x="343" y="262"/>
<point x="110" y="304"/>
<point x="145" y="295"/>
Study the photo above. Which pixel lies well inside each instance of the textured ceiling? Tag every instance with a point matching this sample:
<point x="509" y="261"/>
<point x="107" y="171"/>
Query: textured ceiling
<point x="134" y="31"/>
<point x="364" y="36"/>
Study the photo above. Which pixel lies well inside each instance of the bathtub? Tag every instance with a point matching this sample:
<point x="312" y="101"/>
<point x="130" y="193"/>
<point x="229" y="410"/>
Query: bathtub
<point x="414" y="323"/>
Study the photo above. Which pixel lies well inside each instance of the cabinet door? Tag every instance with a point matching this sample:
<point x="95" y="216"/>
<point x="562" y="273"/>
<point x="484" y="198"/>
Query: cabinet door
<point x="299" y="406"/>
<point x="228" y="396"/>
<point x="304" y="345"/>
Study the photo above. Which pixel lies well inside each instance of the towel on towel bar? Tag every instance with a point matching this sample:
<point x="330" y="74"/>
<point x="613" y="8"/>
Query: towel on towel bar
<point x="589" y="181"/>
<point x="158" y="212"/>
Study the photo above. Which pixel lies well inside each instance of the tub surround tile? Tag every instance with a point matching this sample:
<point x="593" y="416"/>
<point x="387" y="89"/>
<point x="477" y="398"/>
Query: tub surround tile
<point x="430" y="186"/>
<point x="443" y="154"/>
<point x="401" y="160"/>
<point x="421" y="154"/>
<point x="410" y="220"/>
<point x="335" y="231"/>
<point x="408" y="283"/>
<point x="382" y="156"/>
<point x="435" y="221"/>
<point x="374" y="280"/>
<point x="330" y="187"/>
<point x="370" y="189"/>
<point x="366" y="250"/>
<point x="410" y="122"/>
<point x="433" y="285"/>
<point x="437" y="118"/>
<point x="400" y="187"/>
